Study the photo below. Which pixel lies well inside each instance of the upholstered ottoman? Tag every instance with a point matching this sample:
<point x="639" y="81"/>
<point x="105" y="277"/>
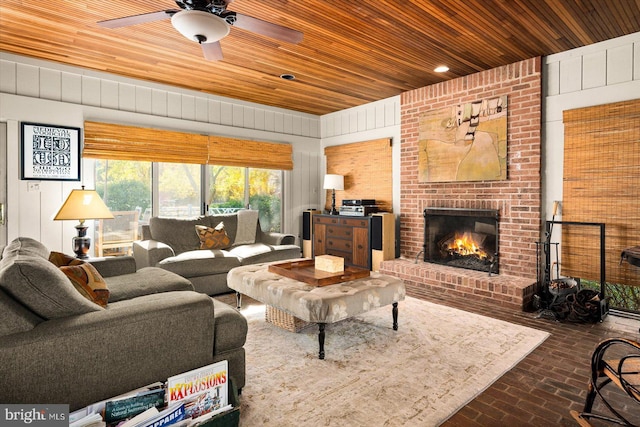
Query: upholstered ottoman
<point x="317" y="304"/>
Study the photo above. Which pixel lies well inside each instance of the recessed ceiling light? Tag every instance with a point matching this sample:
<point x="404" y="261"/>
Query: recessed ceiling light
<point x="441" y="69"/>
<point x="287" y="76"/>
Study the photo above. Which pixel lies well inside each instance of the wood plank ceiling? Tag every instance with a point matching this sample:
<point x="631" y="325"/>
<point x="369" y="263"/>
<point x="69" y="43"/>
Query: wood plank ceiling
<point x="353" y="52"/>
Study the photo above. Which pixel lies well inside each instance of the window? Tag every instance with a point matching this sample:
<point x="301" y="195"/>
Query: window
<point x="179" y="190"/>
<point x="125" y="187"/>
<point x="265" y="195"/>
<point x="163" y="172"/>
<point x="226" y="189"/>
<point x="232" y="188"/>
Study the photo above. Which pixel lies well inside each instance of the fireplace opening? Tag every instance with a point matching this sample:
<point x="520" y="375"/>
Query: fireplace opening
<point x="463" y="238"/>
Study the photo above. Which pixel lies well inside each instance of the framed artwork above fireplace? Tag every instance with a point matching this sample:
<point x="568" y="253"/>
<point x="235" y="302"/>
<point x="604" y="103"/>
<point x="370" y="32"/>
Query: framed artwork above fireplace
<point x="466" y="142"/>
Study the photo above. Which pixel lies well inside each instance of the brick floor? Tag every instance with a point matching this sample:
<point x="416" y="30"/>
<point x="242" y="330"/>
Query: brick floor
<point x="547" y="384"/>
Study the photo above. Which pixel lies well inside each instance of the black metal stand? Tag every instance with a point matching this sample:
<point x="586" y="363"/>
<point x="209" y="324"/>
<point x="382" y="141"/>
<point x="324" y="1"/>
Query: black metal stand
<point x="547" y="299"/>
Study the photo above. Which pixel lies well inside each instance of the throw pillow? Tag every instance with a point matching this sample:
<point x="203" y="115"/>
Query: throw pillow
<point x="59" y="259"/>
<point x="84" y="277"/>
<point x="213" y="238"/>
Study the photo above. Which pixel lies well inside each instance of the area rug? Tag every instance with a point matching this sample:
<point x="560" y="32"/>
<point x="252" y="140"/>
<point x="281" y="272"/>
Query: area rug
<point x="439" y="359"/>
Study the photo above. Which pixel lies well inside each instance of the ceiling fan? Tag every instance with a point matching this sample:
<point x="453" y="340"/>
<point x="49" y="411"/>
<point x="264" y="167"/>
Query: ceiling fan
<point x="207" y="22"/>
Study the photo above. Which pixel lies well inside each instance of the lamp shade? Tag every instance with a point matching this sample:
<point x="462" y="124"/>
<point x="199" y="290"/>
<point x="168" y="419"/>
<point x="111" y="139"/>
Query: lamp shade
<point x="200" y="26"/>
<point x="83" y="204"/>
<point x="333" y="182"/>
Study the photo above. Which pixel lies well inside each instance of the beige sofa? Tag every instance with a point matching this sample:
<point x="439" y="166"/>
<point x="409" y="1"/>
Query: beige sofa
<point x="174" y="245"/>
<point x="57" y="346"/>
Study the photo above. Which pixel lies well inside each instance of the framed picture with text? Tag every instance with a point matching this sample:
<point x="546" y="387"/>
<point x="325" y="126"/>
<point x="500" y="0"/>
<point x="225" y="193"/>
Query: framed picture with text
<point x="50" y="152"/>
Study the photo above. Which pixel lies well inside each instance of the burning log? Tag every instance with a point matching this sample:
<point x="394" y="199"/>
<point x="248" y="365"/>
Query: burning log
<point x="463" y="244"/>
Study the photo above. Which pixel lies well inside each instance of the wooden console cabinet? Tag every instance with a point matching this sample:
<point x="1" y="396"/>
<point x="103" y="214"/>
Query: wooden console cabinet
<point x="343" y="236"/>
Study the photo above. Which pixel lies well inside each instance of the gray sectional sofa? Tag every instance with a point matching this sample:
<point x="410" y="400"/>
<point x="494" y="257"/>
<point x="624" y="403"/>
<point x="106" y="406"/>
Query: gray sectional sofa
<point x="174" y="245"/>
<point x="57" y="346"/>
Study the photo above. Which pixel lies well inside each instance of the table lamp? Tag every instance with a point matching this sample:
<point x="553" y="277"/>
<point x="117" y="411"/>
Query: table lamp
<point x="82" y="205"/>
<point x="333" y="182"/>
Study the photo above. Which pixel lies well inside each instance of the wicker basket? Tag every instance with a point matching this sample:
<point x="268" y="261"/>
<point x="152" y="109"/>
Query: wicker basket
<point x="284" y="320"/>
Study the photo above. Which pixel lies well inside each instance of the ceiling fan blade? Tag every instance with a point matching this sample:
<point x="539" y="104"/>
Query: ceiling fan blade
<point x="137" y="19"/>
<point x="212" y="51"/>
<point x="267" y="29"/>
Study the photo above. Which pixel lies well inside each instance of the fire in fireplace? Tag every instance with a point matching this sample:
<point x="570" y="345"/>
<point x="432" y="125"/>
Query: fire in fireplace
<point x="463" y="238"/>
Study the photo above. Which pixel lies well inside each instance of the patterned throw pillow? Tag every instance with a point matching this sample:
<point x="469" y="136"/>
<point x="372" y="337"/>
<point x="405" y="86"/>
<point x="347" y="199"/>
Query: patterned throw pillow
<point x="59" y="259"/>
<point x="84" y="277"/>
<point x="213" y="238"/>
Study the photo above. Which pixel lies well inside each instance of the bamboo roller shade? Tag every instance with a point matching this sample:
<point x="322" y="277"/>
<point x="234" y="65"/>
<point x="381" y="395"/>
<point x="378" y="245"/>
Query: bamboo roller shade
<point x="601" y="184"/>
<point x="239" y="152"/>
<point x="119" y="142"/>
<point x="367" y="170"/>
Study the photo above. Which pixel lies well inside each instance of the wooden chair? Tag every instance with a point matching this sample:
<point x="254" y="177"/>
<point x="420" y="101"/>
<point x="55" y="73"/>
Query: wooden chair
<point x="615" y="361"/>
<point x="117" y="235"/>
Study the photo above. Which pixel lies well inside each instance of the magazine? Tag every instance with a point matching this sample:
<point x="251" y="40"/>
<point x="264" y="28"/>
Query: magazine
<point x="201" y="390"/>
<point x="151" y="412"/>
<point x="173" y="414"/>
<point x="124" y="408"/>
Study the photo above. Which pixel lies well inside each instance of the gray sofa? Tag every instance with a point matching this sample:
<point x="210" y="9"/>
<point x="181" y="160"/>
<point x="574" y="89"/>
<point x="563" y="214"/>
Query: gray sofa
<point x="173" y="244"/>
<point x="56" y="346"/>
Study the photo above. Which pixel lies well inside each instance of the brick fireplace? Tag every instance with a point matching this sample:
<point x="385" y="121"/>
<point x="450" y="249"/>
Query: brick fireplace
<point x="517" y="200"/>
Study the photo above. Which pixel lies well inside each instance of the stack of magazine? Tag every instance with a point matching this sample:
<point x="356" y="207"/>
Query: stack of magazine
<point x="188" y="399"/>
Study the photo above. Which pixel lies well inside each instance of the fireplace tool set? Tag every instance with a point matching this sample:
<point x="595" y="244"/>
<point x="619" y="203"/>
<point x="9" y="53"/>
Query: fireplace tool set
<point x="554" y="291"/>
<point x="561" y="298"/>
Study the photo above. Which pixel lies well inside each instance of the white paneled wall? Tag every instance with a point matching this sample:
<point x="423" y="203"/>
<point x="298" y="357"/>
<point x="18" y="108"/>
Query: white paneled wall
<point x="598" y="74"/>
<point x="44" y="92"/>
<point x="374" y="116"/>
<point x="599" y="65"/>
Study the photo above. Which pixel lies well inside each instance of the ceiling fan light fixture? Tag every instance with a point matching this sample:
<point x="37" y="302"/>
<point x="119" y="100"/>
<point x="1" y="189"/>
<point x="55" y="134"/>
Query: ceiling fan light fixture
<point x="200" y="26"/>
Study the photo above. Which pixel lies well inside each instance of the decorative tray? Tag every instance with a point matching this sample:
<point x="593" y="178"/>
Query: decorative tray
<point x="305" y="271"/>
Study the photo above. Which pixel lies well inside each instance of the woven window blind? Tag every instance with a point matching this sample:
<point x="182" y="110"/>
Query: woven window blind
<point x="601" y="183"/>
<point x="119" y="142"/>
<point x="367" y="170"/>
<point x="256" y="154"/>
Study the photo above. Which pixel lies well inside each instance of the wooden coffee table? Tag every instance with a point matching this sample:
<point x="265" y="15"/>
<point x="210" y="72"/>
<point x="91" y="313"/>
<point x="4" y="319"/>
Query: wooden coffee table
<point x="317" y="304"/>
